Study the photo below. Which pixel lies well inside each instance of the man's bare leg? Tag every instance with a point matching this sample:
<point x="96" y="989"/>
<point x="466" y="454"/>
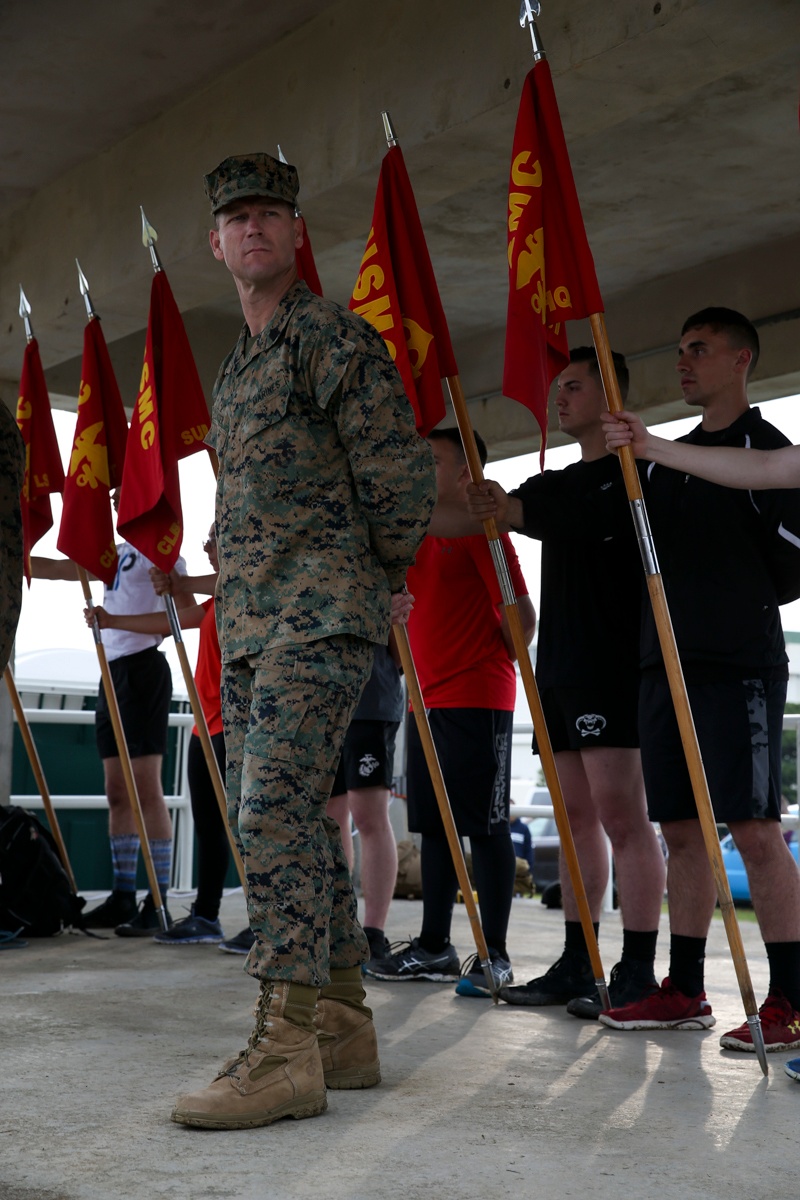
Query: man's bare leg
<point x="370" y="809"/>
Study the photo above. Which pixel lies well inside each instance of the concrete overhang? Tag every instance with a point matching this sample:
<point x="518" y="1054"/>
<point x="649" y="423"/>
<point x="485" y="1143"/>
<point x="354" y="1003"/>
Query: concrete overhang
<point x="680" y="115"/>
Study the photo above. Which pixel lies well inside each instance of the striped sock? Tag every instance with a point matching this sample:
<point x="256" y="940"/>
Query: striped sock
<point x="161" y="850"/>
<point x="124" y="853"/>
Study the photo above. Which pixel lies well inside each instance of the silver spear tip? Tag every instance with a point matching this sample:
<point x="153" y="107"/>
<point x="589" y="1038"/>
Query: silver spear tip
<point x="149" y="235"/>
<point x="83" y="284"/>
<point x="24" y="307"/>
<point x="149" y="239"/>
<point x="281" y="156"/>
<point x="388" y="129"/>
<point x="529" y="10"/>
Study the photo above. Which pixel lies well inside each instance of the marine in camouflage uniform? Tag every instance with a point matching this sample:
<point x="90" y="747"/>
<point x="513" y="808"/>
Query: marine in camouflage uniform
<point x="323" y="497"/>
<point x="12" y="471"/>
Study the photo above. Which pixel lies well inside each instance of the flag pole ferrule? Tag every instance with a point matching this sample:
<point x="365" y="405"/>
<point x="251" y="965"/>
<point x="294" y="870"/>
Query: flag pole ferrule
<point x="149" y="239"/>
<point x="388" y="129"/>
<point x="25" y="313"/>
<point x="528" y="12"/>
<point x="757" y="1034"/>
<point x="501" y="567"/>
<point x="83" y="284"/>
<point x="644" y="536"/>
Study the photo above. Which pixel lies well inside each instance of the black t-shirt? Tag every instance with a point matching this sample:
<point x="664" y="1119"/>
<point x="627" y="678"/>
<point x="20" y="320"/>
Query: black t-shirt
<point x="724" y="556"/>
<point x="591" y="574"/>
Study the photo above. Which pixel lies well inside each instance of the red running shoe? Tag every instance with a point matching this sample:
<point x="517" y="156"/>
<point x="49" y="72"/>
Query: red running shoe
<point x="663" y="1008"/>
<point x="780" y="1025"/>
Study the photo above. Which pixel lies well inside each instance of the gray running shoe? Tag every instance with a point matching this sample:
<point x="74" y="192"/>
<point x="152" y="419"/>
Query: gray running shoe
<point x="410" y="961"/>
<point x="473" y="981"/>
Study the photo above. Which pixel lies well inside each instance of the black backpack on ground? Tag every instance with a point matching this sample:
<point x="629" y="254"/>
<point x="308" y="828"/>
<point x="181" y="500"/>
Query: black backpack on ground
<point x="35" y="895"/>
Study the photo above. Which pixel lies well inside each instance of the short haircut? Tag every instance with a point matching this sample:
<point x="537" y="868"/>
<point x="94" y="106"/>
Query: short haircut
<point x="740" y="332"/>
<point x="451" y="434"/>
<point x="588" y="354"/>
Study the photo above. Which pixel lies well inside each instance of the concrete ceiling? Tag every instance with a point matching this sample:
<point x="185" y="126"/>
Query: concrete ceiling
<point x="681" y="117"/>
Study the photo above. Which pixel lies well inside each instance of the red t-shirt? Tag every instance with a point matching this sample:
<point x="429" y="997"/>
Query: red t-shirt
<point x="208" y="670"/>
<point x="454" y="628"/>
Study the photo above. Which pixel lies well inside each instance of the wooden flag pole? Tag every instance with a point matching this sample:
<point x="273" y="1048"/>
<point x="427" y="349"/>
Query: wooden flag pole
<point x="445" y="811"/>
<point x="532" y="694"/>
<point x="38" y="774"/>
<point x="124" y="757"/>
<point x="680" y="699"/>
<point x="202" y="729"/>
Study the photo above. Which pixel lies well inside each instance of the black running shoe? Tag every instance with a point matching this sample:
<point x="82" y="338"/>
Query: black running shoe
<point x="571" y="976"/>
<point x="410" y="961"/>
<point x="116" y="908"/>
<point x="241" y="944"/>
<point x="145" y="923"/>
<point x="630" y="981"/>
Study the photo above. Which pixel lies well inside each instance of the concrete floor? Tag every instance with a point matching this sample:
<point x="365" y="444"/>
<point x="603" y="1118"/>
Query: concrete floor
<point x="99" y="1036"/>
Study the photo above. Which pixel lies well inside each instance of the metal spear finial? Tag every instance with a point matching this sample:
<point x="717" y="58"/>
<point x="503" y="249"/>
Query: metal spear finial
<point x="83" y="284"/>
<point x="388" y="129"/>
<point x="528" y="12"/>
<point x="25" y="313"/>
<point x="149" y="239"/>
<point x="282" y="158"/>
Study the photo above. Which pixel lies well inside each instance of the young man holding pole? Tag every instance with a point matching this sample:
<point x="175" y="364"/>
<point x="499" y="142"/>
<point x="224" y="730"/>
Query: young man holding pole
<point x="143" y="684"/>
<point x="323" y="496"/>
<point x="591" y="574"/>
<point x="727" y="559"/>
<point x="465" y="659"/>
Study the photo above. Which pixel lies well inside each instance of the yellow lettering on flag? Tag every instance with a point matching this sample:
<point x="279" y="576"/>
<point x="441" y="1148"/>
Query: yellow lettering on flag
<point x="532" y="178"/>
<point x="169" y="539"/>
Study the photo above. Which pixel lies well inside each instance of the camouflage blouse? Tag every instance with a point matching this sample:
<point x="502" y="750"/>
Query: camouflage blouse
<point x="325" y="488"/>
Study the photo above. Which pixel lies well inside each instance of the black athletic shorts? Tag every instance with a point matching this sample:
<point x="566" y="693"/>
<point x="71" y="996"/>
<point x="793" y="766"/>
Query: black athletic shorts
<point x="474" y="750"/>
<point x="143" y="685"/>
<point x="582" y="717"/>
<point x="738" y="727"/>
<point x="367" y="759"/>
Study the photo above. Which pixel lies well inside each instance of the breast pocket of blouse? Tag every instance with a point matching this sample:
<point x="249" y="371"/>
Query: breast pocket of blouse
<point x="266" y="407"/>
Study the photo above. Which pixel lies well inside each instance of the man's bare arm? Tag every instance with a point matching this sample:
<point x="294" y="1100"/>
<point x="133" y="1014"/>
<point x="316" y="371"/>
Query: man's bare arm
<point x="488" y="500"/>
<point x="54" y="568"/>
<point x="527" y="614"/>
<point x="725" y="465"/>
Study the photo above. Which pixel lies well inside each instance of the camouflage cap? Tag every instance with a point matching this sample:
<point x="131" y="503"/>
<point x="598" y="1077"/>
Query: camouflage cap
<point x="251" y="175"/>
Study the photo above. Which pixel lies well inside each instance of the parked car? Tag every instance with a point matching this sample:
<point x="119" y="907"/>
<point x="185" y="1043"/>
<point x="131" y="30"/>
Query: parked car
<point x="734" y="867"/>
<point x="545" y="843"/>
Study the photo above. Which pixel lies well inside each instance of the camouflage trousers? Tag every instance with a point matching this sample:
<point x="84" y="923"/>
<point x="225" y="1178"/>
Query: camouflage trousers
<point x="286" y="712"/>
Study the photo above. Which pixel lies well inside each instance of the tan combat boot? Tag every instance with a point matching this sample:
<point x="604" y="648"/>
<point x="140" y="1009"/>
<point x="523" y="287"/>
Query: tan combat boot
<point x="347" y="1042"/>
<point x="278" y="1075"/>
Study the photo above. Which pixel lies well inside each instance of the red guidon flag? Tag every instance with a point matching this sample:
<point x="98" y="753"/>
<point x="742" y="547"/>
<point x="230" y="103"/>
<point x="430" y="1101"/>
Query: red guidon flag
<point x="396" y="292"/>
<point x="44" y="473"/>
<point x="86" y="534"/>
<point x="170" y="421"/>
<point x="551" y="271"/>
<point x="306" y="267"/>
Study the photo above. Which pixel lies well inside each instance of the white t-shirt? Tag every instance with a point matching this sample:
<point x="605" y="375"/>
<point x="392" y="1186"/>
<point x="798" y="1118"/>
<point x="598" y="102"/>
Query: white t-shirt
<point x="130" y="594"/>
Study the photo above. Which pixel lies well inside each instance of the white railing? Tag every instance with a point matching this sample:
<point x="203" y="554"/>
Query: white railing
<point x="178" y="801"/>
